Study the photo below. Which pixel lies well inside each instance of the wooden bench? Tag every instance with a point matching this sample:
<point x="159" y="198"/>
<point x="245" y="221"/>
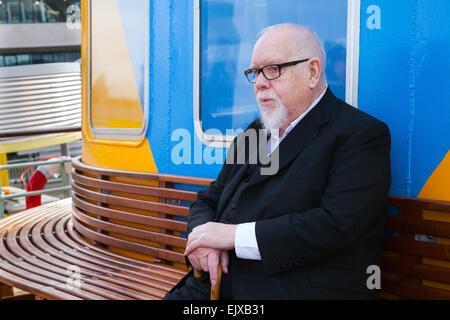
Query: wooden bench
<point x="416" y="250"/>
<point x="122" y="236"/>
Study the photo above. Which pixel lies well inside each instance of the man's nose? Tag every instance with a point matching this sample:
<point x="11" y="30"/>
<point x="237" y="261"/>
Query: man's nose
<point x="261" y="81"/>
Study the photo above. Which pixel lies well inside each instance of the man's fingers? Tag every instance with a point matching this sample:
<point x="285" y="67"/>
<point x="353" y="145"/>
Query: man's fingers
<point x="204" y="263"/>
<point x="224" y="259"/>
<point x="192" y="246"/>
<point x="213" y="262"/>
<point x="194" y="261"/>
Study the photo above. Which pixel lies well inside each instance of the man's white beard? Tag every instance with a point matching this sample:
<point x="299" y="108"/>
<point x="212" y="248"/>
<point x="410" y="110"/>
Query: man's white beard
<point x="278" y="113"/>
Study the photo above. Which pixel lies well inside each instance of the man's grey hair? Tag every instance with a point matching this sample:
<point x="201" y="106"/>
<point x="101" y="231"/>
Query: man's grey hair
<point x="304" y="40"/>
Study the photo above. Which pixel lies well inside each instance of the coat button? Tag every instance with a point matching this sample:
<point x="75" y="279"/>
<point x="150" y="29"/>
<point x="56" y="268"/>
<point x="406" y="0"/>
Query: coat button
<point x="233" y="205"/>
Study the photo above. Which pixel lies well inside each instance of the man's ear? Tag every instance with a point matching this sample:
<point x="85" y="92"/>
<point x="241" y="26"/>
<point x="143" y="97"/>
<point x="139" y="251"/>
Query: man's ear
<point x="315" y="70"/>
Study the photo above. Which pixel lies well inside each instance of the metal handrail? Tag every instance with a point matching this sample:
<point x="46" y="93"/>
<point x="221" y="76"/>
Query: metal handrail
<point x="31" y="132"/>
<point x="65" y="185"/>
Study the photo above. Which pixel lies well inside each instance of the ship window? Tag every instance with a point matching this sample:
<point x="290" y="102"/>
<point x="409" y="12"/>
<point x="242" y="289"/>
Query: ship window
<point x="226" y="32"/>
<point x="118" y="69"/>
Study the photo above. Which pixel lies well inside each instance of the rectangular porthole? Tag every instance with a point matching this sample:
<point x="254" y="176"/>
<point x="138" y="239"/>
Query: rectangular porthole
<point x="118" y="69"/>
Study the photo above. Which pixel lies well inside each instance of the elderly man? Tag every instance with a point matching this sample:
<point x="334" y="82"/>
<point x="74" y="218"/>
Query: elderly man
<point x="312" y="229"/>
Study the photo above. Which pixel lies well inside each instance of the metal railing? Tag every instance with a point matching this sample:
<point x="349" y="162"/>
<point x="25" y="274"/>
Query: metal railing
<point x="64" y="187"/>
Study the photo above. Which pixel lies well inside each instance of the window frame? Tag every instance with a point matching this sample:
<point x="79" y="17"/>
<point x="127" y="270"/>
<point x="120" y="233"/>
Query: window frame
<point x="351" y="78"/>
<point x="127" y="134"/>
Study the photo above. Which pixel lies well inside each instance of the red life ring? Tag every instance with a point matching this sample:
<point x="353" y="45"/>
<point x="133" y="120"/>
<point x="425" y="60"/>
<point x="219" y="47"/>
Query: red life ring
<point x="37" y="182"/>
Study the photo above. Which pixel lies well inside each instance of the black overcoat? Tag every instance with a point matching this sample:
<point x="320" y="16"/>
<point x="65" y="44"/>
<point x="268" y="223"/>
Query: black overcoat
<point x="320" y="219"/>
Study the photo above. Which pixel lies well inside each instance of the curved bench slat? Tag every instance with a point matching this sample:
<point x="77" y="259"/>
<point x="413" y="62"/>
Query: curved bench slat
<point x="128" y="231"/>
<point x="127" y="245"/>
<point x="93" y="265"/>
<point x="130" y="217"/>
<point x="107" y="255"/>
<point x="142" y="190"/>
<point x="19" y="266"/>
<point x="37" y="250"/>
<point x="131" y="203"/>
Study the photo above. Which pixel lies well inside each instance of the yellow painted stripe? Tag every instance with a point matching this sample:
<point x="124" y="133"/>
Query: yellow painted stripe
<point x="4" y="177"/>
<point x="38" y="142"/>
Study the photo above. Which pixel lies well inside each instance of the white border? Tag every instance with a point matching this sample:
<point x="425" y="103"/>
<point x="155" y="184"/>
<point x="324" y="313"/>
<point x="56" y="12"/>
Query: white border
<point x="352" y="63"/>
<point x="216" y="141"/>
<point x="121" y="133"/>
<point x="351" y="83"/>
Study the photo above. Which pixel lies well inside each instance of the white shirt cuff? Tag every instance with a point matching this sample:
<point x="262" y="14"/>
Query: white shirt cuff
<point x="245" y="243"/>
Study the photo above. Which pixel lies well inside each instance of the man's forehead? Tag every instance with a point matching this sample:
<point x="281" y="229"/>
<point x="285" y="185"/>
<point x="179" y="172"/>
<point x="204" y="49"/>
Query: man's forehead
<point x="270" y="54"/>
<point x="273" y="47"/>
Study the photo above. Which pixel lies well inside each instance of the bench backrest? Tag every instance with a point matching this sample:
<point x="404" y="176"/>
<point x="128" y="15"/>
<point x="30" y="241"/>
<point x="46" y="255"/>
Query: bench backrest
<point x="143" y="215"/>
<point x="416" y="250"/>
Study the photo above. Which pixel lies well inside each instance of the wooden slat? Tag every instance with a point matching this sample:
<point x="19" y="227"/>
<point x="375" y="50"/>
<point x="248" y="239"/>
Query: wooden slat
<point x="131" y="246"/>
<point x="89" y="288"/>
<point x="78" y="165"/>
<point x="172" y="274"/>
<point x="418" y="226"/>
<point x="5" y="291"/>
<point x="128" y="231"/>
<point x="134" y="273"/>
<point x="421" y="271"/>
<point x="20" y="297"/>
<point x="185" y="180"/>
<point x="152" y="274"/>
<point x="403" y="202"/>
<point x="56" y="261"/>
<point x="183" y="195"/>
<point x="130" y="217"/>
<point x="52" y="262"/>
<point x="45" y="257"/>
<point x="417" y="248"/>
<point x="162" y="245"/>
<point x="108" y="279"/>
<point x="131" y="203"/>
<point x="407" y="290"/>
<point x="44" y="291"/>
<point x="26" y="271"/>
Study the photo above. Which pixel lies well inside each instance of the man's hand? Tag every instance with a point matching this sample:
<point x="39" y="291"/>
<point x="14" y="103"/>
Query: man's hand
<point x="211" y="235"/>
<point x="207" y="259"/>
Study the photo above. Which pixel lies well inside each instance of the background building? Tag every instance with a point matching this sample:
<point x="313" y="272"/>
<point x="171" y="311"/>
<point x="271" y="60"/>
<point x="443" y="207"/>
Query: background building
<point x="40" y="81"/>
<point x="44" y="31"/>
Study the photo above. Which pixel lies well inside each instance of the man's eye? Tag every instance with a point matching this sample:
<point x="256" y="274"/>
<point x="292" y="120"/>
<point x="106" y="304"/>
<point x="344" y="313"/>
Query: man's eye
<point x="271" y="71"/>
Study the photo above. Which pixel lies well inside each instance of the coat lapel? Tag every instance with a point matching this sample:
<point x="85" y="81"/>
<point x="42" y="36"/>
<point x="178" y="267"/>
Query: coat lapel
<point x="302" y="134"/>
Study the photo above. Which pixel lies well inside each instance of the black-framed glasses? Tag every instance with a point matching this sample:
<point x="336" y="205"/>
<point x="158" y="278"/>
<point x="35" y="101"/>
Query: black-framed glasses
<point x="270" y="72"/>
